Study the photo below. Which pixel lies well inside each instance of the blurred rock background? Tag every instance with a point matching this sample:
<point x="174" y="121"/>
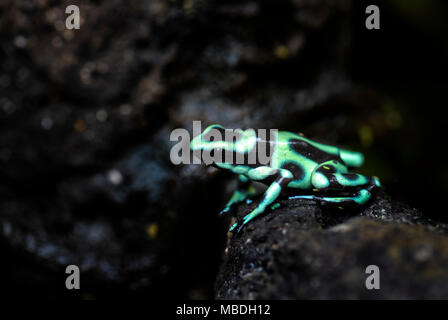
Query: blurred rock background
<point x="85" y="118"/>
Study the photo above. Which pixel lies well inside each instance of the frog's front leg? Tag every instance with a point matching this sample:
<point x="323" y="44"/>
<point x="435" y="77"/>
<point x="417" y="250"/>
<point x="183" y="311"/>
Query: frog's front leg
<point x="281" y="179"/>
<point x="242" y="192"/>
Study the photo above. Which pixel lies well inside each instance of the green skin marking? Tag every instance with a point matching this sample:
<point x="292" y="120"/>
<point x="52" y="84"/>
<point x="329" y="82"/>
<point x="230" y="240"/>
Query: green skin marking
<point x="316" y="171"/>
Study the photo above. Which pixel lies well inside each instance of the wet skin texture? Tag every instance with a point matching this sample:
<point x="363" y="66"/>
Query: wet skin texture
<point x="313" y="170"/>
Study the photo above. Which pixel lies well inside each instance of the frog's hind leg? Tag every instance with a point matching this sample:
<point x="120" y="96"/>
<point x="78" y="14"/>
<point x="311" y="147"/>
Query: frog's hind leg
<point x="358" y="199"/>
<point x="243" y="191"/>
<point x="281" y="179"/>
<point x="333" y="175"/>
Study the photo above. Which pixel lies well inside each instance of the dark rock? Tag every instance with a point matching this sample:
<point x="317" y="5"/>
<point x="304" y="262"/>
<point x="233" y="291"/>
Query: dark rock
<point x="301" y="251"/>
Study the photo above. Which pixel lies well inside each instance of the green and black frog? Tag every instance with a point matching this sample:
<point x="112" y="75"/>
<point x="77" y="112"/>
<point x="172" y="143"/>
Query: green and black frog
<point x="314" y="170"/>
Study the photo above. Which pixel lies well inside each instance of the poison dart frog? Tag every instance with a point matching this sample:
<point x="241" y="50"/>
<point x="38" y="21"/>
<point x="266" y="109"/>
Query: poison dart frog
<point x="314" y="170"/>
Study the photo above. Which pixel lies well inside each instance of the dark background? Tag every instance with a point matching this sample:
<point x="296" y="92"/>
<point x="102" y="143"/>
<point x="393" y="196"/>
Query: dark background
<point x="308" y="66"/>
<point x="406" y="61"/>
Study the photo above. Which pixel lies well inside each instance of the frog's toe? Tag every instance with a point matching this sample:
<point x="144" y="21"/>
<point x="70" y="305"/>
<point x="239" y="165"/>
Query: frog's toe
<point x="240" y="227"/>
<point x="233" y="227"/>
<point x="237" y="226"/>
<point x="230" y="206"/>
<point x="225" y="210"/>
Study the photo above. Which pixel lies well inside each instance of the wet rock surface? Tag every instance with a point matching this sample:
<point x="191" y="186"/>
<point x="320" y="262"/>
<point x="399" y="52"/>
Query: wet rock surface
<point x="301" y="251"/>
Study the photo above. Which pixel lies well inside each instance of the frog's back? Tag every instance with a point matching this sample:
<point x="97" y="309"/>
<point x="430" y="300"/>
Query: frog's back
<point x="301" y="156"/>
<point x="319" y="152"/>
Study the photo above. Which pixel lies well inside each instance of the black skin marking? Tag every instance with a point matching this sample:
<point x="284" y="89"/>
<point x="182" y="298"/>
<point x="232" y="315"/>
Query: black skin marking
<point x="335" y="185"/>
<point x="296" y="170"/>
<point x="305" y="149"/>
<point x="350" y="176"/>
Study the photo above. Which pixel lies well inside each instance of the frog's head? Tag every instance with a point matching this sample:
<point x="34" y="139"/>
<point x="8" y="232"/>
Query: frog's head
<point x="220" y="141"/>
<point x="212" y="138"/>
<point x="217" y="141"/>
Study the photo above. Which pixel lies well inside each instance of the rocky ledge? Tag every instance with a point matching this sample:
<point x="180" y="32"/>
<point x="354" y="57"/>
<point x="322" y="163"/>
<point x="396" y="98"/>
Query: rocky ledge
<point x="301" y="251"/>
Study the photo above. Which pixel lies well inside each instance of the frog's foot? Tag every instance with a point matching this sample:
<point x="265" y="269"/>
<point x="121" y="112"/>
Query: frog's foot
<point x="243" y="192"/>
<point x="234" y="226"/>
<point x="240" y="224"/>
<point x="282" y="178"/>
<point x="358" y="199"/>
<point x="237" y="197"/>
